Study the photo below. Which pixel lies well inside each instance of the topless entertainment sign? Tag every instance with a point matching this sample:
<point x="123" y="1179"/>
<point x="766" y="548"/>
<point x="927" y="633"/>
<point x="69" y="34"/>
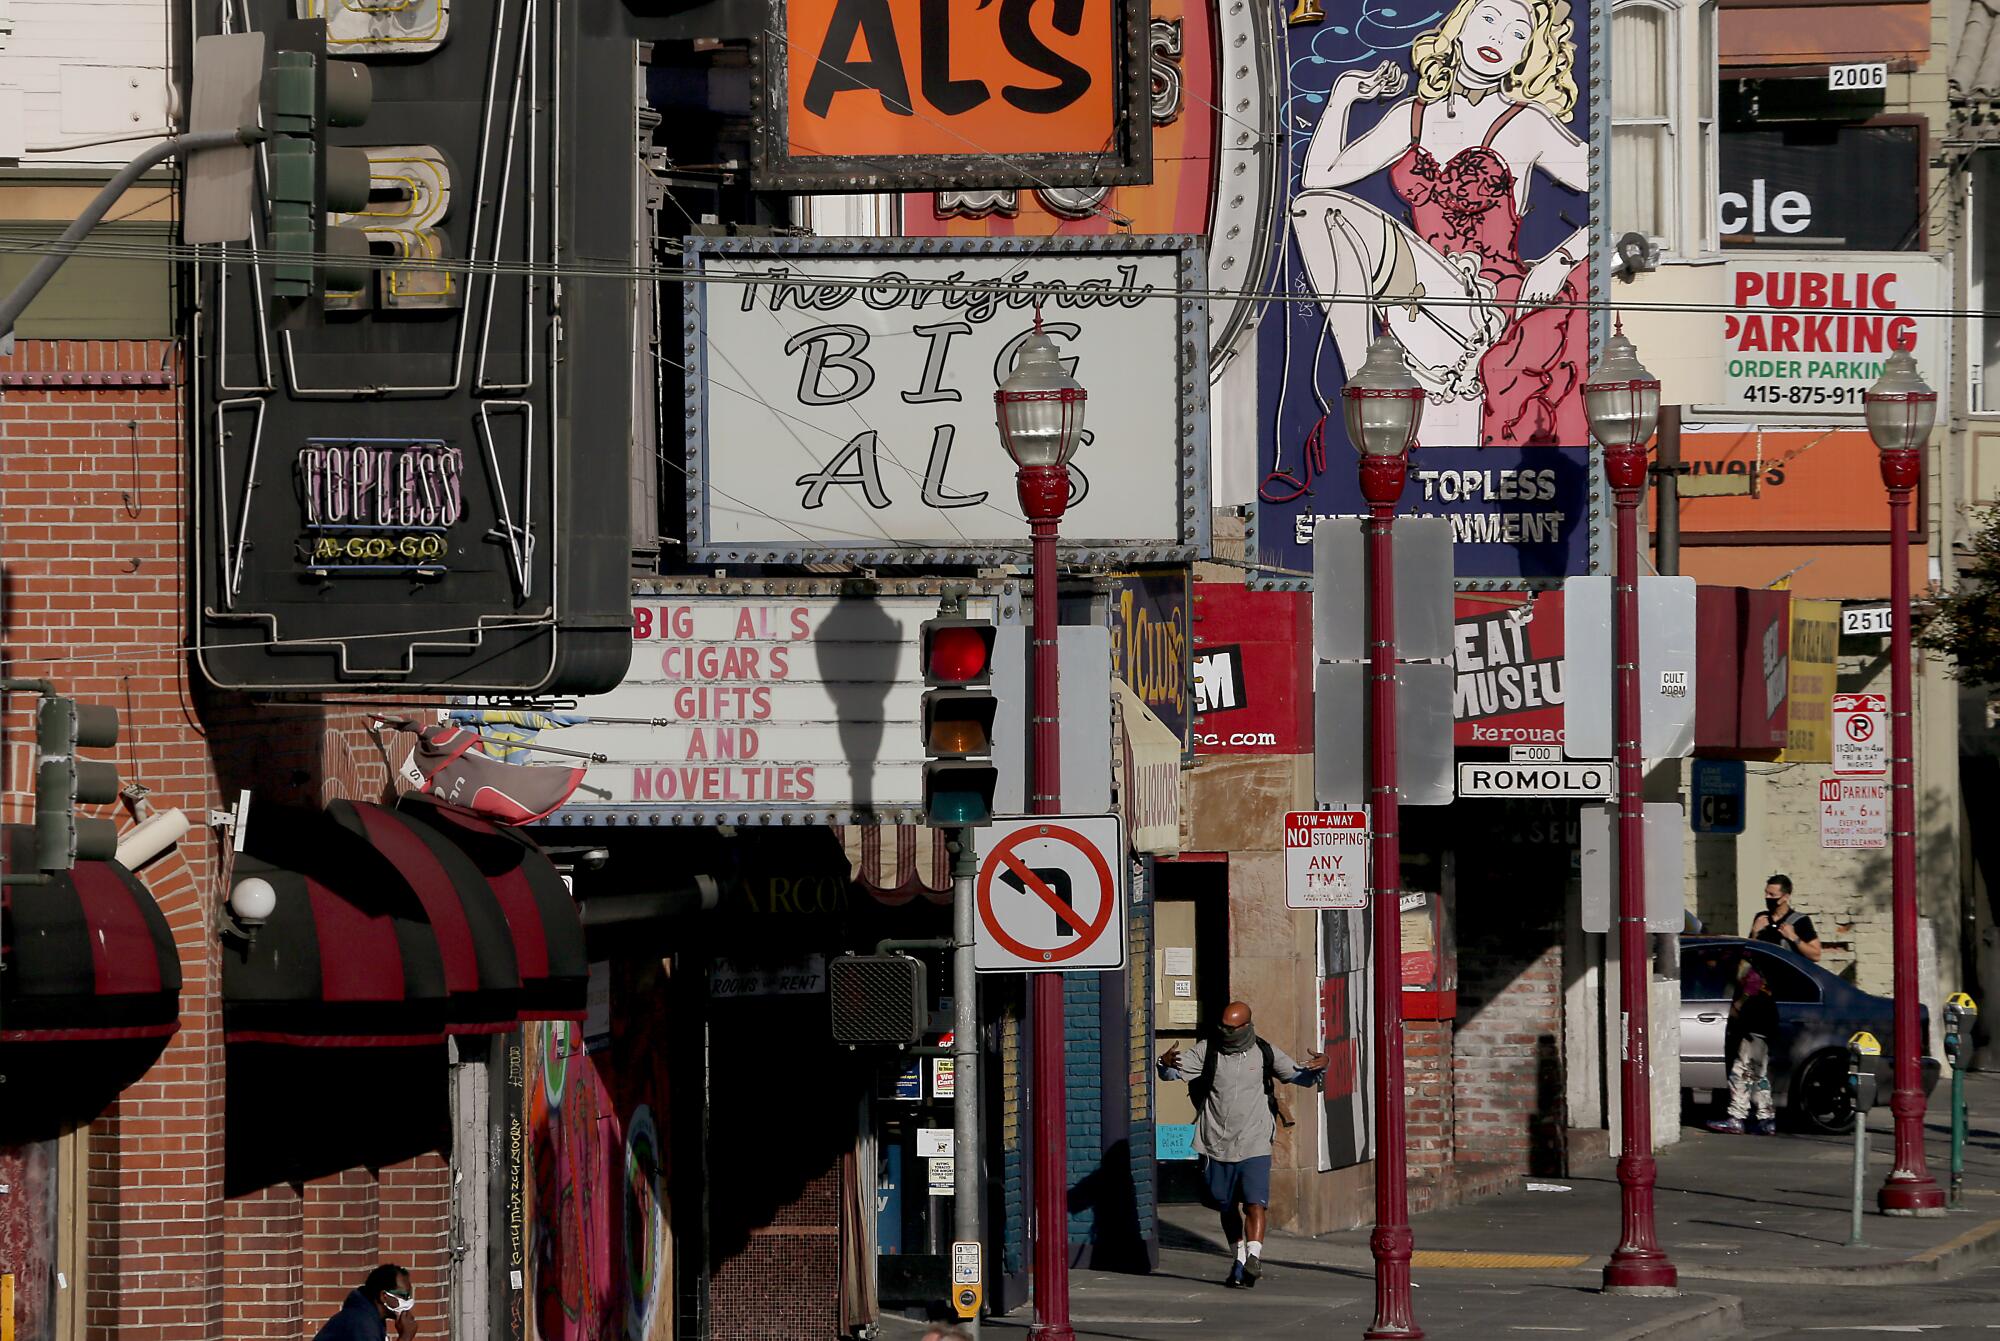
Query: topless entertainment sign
<point x="1439" y="188"/>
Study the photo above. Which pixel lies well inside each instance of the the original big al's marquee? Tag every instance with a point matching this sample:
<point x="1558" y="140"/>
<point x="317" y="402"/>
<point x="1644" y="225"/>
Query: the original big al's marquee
<point x="840" y="397"/>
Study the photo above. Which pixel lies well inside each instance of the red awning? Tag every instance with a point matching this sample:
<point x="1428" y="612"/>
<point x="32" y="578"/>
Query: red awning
<point x="398" y="927"/>
<point x="87" y="956"/>
<point x="355" y="967"/>
<point x="541" y="914"/>
<point x="474" y="937"/>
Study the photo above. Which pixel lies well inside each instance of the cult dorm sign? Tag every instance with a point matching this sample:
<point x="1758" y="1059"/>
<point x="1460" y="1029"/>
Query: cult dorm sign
<point x="1326" y="859"/>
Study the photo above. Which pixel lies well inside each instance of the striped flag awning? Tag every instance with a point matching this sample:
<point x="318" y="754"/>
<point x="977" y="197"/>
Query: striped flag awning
<point x="897" y="862"/>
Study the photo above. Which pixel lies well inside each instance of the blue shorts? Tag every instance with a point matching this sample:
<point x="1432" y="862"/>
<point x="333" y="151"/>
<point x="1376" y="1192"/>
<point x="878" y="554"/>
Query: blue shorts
<point x="1246" y="1182"/>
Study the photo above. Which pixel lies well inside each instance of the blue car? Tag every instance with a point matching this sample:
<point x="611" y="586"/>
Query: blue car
<point x="1817" y="1012"/>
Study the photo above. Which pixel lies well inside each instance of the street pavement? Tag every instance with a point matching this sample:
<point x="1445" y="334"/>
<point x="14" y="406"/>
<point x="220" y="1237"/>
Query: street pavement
<point x="1757" y="1225"/>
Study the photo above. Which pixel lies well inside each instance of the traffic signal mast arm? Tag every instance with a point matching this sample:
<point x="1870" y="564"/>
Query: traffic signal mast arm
<point x="65" y="246"/>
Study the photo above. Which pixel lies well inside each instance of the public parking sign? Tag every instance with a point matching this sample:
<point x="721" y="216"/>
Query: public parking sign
<point x="1860" y="734"/>
<point x="1050" y="896"/>
<point x="1326" y="859"/>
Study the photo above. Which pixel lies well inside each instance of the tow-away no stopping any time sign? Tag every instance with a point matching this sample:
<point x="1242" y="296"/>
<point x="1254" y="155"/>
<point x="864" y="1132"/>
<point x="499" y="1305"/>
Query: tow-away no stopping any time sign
<point x="1050" y="895"/>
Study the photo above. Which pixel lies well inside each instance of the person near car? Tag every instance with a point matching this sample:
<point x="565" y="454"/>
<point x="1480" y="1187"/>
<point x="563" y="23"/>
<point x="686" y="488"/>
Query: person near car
<point x="1783" y="925"/>
<point x="1230" y="1079"/>
<point x="1752" y="1029"/>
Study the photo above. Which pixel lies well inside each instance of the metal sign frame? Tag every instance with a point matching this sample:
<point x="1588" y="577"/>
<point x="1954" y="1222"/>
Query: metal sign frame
<point x="1107" y="858"/>
<point x="1129" y="159"/>
<point x="1188" y="463"/>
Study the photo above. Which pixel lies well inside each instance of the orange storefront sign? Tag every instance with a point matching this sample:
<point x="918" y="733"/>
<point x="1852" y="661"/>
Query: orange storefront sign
<point x="1176" y="200"/>
<point x="953" y="79"/>
<point x="1822" y="480"/>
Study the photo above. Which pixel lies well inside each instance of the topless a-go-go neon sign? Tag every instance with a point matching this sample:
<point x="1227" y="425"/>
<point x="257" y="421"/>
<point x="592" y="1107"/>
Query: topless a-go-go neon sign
<point x="379" y="504"/>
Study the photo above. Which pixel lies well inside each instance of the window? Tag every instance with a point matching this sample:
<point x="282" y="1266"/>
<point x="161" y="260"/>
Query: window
<point x="1706" y="170"/>
<point x="1708" y="972"/>
<point x="1663" y="123"/>
<point x="1788" y="982"/>
<point x="1982" y="283"/>
<point x="1642" y="128"/>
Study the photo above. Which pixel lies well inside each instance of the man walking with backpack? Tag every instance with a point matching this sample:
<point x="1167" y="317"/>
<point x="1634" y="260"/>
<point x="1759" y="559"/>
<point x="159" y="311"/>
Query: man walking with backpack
<point x="1231" y="1079"/>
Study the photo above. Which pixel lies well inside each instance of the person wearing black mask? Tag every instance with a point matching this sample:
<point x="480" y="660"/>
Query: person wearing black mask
<point x="1230" y="1079"/>
<point x="1779" y="924"/>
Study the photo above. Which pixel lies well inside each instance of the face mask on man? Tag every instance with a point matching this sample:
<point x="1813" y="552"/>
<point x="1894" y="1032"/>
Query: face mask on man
<point x="1238" y="1038"/>
<point x="398" y="1303"/>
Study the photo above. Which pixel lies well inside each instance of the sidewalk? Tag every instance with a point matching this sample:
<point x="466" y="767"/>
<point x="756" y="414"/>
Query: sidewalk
<point x="1730" y="1209"/>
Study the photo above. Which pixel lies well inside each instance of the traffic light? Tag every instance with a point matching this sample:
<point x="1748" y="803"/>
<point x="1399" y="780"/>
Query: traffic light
<point x="958" y="713"/>
<point x="63" y="781"/>
<point x="305" y="95"/>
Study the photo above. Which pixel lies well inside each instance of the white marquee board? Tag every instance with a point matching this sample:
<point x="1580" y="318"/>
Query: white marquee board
<point x="840" y="396"/>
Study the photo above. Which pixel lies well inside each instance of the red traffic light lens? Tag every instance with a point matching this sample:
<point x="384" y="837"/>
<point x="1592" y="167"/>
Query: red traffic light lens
<point x="957" y="654"/>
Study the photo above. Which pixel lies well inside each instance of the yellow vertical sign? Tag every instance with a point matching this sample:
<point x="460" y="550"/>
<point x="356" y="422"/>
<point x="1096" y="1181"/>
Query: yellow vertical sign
<point x="1814" y="668"/>
<point x="6" y="1307"/>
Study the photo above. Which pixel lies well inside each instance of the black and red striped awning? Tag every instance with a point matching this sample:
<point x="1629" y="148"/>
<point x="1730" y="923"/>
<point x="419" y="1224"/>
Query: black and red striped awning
<point x="88" y="956"/>
<point x="540" y="912"/>
<point x="475" y="940"/>
<point x="398" y="927"/>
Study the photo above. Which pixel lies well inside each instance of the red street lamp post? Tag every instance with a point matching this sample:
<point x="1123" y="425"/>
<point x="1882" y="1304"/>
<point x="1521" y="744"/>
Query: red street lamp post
<point x="1040" y="410"/>
<point x="1622" y="401"/>
<point x="1901" y="410"/>
<point x="1383" y="405"/>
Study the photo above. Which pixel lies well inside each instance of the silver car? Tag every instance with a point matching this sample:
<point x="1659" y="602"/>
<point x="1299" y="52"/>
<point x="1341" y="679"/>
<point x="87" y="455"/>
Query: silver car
<point x="1817" y="1012"/>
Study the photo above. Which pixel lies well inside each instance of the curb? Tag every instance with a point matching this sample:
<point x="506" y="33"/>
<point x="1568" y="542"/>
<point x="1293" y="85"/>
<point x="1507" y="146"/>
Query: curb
<point x="1976" y="1247"/>
<point x="1718" y="1315"/>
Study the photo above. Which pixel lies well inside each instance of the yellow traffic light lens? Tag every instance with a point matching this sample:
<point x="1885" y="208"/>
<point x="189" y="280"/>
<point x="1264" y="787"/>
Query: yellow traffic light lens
<point x="963" y="736"/>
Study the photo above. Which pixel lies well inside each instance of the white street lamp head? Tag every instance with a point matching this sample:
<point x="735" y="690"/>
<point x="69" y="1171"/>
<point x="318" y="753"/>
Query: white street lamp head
<point x="1621" y="399"/>
<point x="1901" y="407"/>
<point x="1040" y="405"/>
<point x="1382" y="403"/>
<point x="253" y="900"/>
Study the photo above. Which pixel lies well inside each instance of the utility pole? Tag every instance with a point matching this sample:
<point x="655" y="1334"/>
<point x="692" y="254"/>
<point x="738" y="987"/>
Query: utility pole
<point x="1667" y="495"/>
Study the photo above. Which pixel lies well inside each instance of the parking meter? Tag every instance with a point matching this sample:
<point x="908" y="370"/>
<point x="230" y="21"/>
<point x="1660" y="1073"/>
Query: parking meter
<point x="1959" y="1013"/>
<point x="1862" y="1048"/>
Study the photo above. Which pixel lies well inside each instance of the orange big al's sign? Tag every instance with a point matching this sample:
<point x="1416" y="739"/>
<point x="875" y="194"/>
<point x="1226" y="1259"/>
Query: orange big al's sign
<point x="918" y="94"/>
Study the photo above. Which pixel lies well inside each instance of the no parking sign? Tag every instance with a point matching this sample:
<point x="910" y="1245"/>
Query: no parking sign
<point x="1049" y="895"/>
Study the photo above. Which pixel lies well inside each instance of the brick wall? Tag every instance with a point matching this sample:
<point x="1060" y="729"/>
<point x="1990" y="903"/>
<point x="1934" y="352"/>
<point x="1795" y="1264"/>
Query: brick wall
<point x="1427" y="1071"/>
<point x="1507" y="1089"/>
<point x="1083" y="1067"/>
<point x="93" y="539"/>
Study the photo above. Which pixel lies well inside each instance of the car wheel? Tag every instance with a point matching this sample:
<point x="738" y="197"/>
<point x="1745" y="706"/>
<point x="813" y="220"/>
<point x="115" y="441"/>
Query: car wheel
<point x="1820" y="1099"/>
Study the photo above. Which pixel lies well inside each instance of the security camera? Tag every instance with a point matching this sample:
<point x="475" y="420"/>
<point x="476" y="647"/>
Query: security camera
<point x="150" y="837"/>
<point x="1634" y="254"/>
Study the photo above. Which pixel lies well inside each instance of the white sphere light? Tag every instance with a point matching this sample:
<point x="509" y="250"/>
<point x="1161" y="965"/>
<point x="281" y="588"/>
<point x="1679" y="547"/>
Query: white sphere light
<point x="253" y="900"/>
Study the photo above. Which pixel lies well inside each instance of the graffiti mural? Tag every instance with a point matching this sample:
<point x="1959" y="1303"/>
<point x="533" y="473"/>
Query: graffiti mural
<point x="1439" y="190"/>
<point x="28" y="1204"/>
<point x="598" y="1169"/>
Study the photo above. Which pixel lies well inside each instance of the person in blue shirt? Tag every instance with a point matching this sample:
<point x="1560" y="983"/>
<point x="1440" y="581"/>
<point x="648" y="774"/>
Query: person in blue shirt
<point x="383" y="1302"/>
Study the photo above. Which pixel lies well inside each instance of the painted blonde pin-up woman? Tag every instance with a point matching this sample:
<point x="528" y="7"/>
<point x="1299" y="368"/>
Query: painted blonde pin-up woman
<point x="1494" y="94"/>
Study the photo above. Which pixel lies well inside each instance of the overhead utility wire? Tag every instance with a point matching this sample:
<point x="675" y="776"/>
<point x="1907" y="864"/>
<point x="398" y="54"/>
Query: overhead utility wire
<point x="1028" y="290"/>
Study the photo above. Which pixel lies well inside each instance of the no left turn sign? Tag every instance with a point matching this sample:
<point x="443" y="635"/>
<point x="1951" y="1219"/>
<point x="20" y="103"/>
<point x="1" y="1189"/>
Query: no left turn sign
<point x="1050" y="895"/>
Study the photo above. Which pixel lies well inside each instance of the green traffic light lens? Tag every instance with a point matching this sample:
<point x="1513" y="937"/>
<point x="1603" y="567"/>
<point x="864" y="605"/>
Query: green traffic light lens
<point x="948" y="809"/>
